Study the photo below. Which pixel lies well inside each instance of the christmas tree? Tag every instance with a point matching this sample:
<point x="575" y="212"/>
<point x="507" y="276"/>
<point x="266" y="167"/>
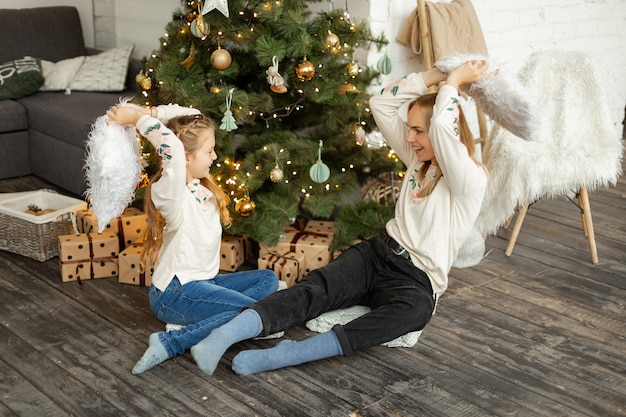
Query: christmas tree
<point x="295" y="138"/>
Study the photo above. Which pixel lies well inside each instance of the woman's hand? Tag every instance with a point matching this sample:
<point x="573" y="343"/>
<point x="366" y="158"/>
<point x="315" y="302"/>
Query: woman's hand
<point x="126" y="115"/>
<point x="468" y="73"/>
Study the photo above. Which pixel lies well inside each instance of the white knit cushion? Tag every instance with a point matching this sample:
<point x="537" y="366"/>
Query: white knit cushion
<point x="58" y="75"/>
<point x="103" y="72"/>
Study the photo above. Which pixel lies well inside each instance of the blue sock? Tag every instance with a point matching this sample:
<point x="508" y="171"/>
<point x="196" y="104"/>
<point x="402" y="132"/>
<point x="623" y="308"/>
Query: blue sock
<point x="287" y="353"/>
<point x="209" y="351"/>
<point x="154" y="355"/>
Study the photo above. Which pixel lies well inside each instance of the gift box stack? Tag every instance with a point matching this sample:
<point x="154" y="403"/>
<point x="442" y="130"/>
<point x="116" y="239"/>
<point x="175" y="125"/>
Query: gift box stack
<point x="306" y="246"/>
<point x="90" y="255"/>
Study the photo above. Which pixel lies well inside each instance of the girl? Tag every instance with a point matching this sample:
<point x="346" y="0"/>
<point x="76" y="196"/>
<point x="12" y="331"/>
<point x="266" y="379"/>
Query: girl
<point x="399" y="274"/>
<point x="186" y="289"/>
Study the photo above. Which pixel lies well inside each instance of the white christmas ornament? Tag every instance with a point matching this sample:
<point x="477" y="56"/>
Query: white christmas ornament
<point x="221" y="5"/>
<point x="112" y="168"/>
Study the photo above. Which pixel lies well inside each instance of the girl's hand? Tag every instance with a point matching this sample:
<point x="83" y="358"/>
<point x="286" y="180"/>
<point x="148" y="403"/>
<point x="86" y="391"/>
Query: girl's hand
<point x="125" y="115"/>
<point x="468" y="73"/>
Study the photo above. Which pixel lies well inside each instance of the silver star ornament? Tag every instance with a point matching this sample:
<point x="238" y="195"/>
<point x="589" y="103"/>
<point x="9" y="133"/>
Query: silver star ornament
<point x="221" y="5"/>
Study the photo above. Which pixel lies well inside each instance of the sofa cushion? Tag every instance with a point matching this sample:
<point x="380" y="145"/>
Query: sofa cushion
<point x="103" y="72"/>
<point x="12" y="116"/>
<point x="58" y="75"/>
<point x="20" y="78"/>
<point x="50" y="33"/>
<point x="67" y="117"/>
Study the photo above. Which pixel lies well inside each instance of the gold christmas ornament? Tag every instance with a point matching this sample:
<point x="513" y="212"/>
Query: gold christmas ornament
<point x="221" y="59"/>
<point x="331" y="40"/>
<point x="348" y="88"/>
<point x="191" y="58"/>
<point x="277" y="174"/>
<point x="353" y="69"/>
<point x="200" y="28"/>
<point x="245" y="207"/>
<point x="305" y="70"/>
<point x="143" y="80"/>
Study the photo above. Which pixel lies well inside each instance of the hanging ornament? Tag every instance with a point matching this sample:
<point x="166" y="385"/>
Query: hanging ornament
<point x="305" y="70"/>
<point x="353" y="69"/>
<point x="245" y="206"/>
<point x="359" y="134"/>
<point x="384" y="64"/>
<point x="331" y="41"/>
<point x="145" y="180"/>
<point x="200" y="28"/>
<point x="275" y="80"/>
<point x="319" y="172"/>
<point x="191" y="58"/>
<point x="221" y="59"/>
<point x="221" y="5"/>
<point x="348" y="88"/>
<point x="143" y="80"/>
<point x="277" y="174"/>
<point x="228" y="121"/>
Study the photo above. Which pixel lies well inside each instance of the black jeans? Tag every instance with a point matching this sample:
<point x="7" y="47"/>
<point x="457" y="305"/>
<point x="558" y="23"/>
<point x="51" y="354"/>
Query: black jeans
<point x="368" y="274"/>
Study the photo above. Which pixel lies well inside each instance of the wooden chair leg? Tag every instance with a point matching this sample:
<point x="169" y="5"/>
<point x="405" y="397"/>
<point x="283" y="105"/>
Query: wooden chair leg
<point x="516" y="228"/>
<point x="588" y="224"/>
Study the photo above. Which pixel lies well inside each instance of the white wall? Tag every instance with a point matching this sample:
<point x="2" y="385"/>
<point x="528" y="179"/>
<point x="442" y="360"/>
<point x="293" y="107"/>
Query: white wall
<point x="142" y="23"/>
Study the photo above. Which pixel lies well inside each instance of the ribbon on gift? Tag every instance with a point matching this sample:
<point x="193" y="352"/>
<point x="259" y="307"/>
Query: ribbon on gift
<point x="275" y="258"/>
<point x="91" y="261"/>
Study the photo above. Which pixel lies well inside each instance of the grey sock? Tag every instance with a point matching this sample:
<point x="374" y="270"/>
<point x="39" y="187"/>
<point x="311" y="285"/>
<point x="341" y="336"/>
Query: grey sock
<point x="154" y="355"/>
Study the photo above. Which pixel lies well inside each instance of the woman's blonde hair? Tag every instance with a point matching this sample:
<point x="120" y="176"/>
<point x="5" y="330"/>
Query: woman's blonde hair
<point x="188" y="129"/>
<point x="426" y="103"/>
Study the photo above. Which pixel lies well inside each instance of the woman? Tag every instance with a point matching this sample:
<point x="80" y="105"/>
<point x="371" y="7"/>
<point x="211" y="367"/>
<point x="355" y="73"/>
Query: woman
<point x="399" y="274"/>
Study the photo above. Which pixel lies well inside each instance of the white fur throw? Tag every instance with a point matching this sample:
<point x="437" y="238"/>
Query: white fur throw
<point x="576" y="145"/>
<point x="502" y="97"/>
<point x="326" y="321"/>
<point x="112" y="168"/>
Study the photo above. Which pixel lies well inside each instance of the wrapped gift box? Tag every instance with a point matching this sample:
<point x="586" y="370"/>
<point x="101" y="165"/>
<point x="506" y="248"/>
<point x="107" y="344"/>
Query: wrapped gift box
<point x="323" y="227"/>
<point x="314" y="246"/>
<point x="129" y="227"/>
<point x="87" y="256"/>
<point x="131" y="271"/>
<point x="288" y="266"/>
<point x="234" y="251"/>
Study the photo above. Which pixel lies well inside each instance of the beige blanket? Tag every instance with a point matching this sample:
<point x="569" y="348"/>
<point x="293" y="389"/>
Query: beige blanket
<point x="454" y="28"/>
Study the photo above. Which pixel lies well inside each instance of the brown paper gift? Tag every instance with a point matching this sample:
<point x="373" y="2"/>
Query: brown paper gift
<point x="130" y="266"/>
<point x="129" y="227"/>
<point x="324" y="227"/>
<point x="288" y="266"/>
<point x="88" y="256"/>
<point x="234" y="251"/>
<point x="314" y="246"/>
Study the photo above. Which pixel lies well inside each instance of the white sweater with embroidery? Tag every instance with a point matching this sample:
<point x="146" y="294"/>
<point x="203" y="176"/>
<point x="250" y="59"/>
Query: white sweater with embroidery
<point x="193" y="233"/>
<point x="432" y="228"/>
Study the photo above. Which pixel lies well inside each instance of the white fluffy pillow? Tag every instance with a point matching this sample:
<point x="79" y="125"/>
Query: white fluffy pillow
<point x="103" y="72"/>
<point x="58" y="75"/>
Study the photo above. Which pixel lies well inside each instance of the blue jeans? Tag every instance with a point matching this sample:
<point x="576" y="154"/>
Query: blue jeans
<point x="202" y="306"/>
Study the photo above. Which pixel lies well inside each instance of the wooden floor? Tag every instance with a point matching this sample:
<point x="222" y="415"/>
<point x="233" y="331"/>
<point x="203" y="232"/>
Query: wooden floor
<point x="540" y="333"/>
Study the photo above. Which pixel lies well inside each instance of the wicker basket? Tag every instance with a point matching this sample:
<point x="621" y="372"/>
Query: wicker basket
<point x="31" y="235"/>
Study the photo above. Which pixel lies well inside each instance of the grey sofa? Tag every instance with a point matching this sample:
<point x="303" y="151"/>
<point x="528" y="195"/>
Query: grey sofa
<point x="44" y="134"/>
